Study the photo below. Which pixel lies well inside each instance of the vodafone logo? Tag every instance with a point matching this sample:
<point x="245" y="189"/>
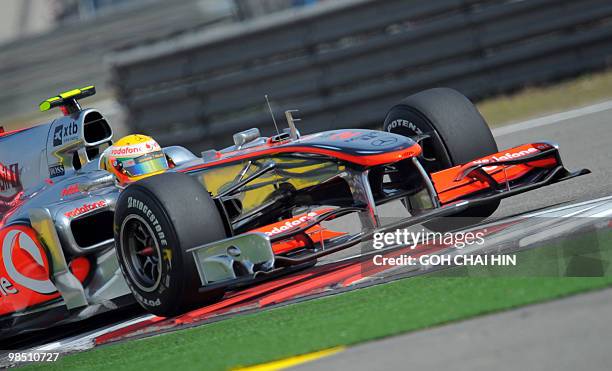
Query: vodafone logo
<point x="289" y="224"/>
<point x="85" y="208"/>
<point x="505" y="156"/>
<point x="126" y="151"/>
<point x="10" y="186"/>
<point x="135" y="150"/>
<point x="22" y="257"/>
<point x="9" y="177"/>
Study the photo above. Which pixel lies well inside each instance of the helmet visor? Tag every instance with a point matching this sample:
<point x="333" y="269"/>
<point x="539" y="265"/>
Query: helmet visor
<point x="145" y="164"/>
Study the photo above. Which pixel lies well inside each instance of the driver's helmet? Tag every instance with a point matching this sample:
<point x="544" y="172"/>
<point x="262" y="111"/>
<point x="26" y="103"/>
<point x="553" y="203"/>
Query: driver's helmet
<point x="134" y="157"/>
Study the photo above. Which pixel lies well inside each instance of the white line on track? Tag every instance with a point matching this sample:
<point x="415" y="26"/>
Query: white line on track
<point x="551" y="119"/>
<point x="85" y="341"/>
<point x="551" y="212"/>
<point x="602" y="200"/>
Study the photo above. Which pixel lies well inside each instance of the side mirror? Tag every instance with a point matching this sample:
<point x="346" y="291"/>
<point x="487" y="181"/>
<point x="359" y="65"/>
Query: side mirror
<point x="244" y="137"/>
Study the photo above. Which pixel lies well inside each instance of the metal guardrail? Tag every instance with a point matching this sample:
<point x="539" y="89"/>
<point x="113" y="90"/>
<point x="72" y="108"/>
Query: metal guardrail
<point x="72" y="55"/>
<point x="344" y="63"/>
<point x="247" y="9"/>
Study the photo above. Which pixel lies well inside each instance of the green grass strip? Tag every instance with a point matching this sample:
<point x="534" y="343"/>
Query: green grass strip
<point x="540" y="100"/>
<point x="344" y="319"/>
<point x="362" y="315"/>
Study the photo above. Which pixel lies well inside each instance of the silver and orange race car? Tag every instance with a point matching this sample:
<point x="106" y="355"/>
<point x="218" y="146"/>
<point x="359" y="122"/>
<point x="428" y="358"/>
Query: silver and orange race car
<point x="76" y="242"/>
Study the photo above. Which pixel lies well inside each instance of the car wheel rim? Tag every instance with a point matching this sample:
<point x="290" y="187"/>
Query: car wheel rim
<point x="434" y="156"/>
<point x="142" y="256"/>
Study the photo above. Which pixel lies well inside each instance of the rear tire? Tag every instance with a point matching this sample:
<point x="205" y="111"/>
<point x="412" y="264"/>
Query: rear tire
<point x="157" y="220"/>
<point x="456" y="132"/>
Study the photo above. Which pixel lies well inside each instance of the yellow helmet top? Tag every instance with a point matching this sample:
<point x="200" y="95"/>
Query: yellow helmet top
<point x="134" y="157"/>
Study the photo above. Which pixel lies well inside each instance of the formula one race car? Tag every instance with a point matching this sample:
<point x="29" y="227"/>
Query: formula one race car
<point x="88" y="225"/>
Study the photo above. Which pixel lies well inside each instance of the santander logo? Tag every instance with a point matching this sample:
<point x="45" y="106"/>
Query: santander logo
<point x="24" y="262"/>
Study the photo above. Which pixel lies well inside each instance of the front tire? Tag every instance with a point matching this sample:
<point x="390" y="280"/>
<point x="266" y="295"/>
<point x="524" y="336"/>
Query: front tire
<point x="451" y="132"/>
<point x="157" y="220"/>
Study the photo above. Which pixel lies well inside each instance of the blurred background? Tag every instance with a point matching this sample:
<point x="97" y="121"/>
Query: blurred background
<point x="193" y="72"/>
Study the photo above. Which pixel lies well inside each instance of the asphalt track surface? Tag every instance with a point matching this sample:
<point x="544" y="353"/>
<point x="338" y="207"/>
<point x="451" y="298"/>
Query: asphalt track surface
<point x="568" y="334"/>
<point x="584" y="142"/>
